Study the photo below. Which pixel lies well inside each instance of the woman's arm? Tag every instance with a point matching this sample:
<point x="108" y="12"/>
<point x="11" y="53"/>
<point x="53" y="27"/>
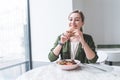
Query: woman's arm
<point x="89" y="49"/>
<point x="55" y="51"/>
<point x="90" y="54"/>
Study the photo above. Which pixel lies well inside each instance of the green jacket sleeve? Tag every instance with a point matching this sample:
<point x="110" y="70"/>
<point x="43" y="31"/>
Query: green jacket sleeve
<point x="91" y="44"/>
<point x="52" y="57"/>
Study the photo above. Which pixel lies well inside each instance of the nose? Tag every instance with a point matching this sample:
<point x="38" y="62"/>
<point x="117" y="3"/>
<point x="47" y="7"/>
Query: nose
<point x="73" y="21"/>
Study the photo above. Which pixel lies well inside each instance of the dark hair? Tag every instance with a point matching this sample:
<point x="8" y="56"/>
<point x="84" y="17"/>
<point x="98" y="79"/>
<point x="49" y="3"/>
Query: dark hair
<point x="80" y="13"/>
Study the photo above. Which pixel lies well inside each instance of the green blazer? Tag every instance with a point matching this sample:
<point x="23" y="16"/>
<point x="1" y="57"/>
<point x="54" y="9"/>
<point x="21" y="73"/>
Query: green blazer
<point x="80" y="55"/>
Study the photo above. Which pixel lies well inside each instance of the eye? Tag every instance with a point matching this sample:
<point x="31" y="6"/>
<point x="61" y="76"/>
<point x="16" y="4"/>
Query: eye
<point x="70" y="19"/>
<point x="77" y="20"/>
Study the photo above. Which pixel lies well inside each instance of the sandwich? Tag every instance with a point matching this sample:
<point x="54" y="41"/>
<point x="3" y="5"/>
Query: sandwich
<point x="71" y="32"/>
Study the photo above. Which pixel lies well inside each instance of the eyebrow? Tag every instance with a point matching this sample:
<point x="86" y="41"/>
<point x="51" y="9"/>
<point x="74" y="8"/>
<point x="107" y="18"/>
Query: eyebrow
<point x="75" y="17"/>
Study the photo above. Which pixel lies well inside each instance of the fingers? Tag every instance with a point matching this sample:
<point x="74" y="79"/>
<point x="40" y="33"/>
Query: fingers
<point x="66" y="35"/>
<point x="64" y="38"/>
<point x="77" y="32"/>
<point x="73" y="33"/>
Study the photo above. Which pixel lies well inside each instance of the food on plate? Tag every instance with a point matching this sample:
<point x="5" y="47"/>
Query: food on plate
<point x="66" y="62"/>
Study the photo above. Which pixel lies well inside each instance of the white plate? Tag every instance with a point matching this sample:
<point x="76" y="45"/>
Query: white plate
<point x="69" y="67"/>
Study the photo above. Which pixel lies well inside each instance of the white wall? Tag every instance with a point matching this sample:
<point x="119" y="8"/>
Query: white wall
<point x="48" y="20"/>
<point x="102" y="19"/>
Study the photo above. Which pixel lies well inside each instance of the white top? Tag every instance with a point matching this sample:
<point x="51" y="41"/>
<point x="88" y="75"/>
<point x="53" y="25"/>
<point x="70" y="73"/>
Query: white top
<point x="85" y="72"/>
<point x="74" y="48"/>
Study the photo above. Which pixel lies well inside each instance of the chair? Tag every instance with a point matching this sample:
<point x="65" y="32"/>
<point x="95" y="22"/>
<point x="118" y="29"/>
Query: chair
<point x="112" y="51"/>
<point x="102" y="57"/>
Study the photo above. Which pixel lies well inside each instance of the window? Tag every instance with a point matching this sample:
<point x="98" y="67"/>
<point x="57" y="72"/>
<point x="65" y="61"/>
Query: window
<point x="14" y="34"/>
<point x="12" y="21"/>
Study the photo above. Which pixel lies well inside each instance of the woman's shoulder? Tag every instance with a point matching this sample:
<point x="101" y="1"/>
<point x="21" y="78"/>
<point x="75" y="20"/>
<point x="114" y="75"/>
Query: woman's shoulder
<point x="88" y="38"/>
<point x="87" y="35"/>
<point x="58" y="37"/>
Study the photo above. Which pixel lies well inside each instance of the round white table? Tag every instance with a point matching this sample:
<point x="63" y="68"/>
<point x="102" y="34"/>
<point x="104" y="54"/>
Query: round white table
<point x="84" y="72"/>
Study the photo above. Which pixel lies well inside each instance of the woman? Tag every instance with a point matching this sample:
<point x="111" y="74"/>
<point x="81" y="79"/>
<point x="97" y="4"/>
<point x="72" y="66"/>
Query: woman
<point x="74" y="44"/>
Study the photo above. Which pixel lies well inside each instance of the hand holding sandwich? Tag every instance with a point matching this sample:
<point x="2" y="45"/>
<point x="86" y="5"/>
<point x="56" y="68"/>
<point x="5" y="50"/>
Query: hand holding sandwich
<point x="66" y="35"/>
<point x="72" y="34"/>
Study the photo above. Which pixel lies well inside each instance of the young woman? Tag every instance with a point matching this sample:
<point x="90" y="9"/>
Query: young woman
<point x="74" y="44"/>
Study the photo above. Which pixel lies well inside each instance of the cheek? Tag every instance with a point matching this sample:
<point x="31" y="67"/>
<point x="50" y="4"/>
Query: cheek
<point x="69" y="24"/>
<point x="80" y="23"/>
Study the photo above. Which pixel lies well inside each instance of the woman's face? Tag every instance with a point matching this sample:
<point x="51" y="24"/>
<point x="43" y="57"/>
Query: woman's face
<point x="75" y="21"/>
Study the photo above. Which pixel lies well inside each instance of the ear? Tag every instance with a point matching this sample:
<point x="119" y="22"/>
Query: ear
<point x="82" y="27"/>
<point x="82" y="23"/>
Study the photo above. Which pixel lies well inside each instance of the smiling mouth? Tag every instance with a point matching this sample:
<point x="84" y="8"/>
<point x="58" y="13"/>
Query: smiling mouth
<point x="74" y="26"/>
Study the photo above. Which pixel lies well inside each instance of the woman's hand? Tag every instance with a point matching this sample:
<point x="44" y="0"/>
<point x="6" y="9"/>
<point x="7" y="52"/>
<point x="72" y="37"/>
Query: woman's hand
<point x="64" y="37"/>
<point x="78" y="34"/>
